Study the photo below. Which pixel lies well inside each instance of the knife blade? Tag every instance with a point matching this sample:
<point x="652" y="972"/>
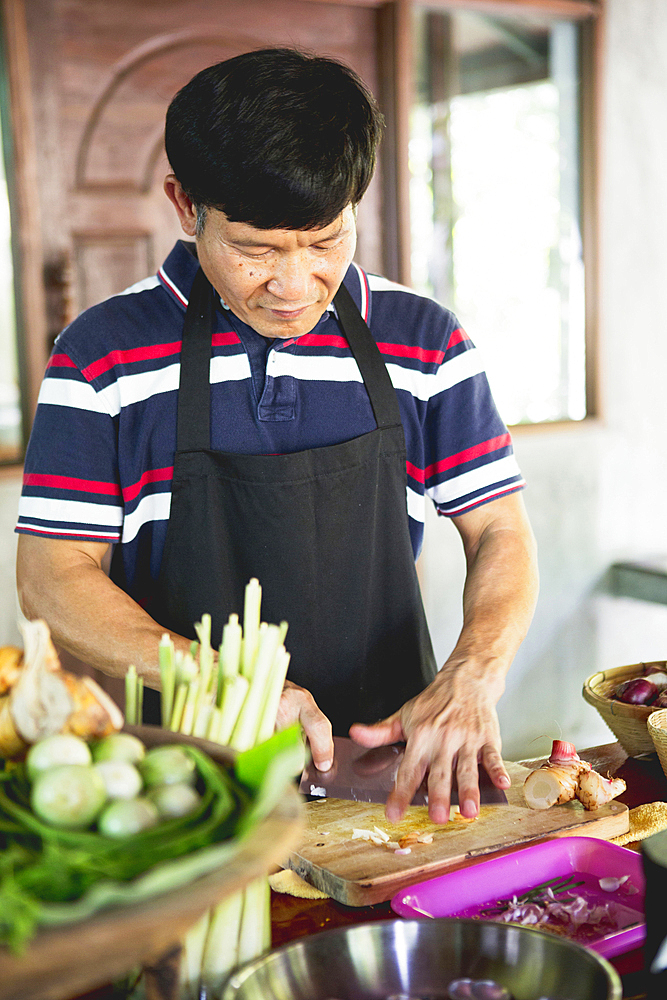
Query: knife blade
<point x="364" y="775"/>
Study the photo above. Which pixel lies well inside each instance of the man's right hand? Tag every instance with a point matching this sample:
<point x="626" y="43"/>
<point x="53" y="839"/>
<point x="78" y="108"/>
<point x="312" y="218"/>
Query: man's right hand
<point x="298" y="705"/>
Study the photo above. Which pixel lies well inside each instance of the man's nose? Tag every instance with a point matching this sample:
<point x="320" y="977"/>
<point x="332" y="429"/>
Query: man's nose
<point x="291" y="278"/>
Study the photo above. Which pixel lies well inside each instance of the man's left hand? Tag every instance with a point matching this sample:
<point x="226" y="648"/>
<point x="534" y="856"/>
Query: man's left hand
<point x="446" y="734"/>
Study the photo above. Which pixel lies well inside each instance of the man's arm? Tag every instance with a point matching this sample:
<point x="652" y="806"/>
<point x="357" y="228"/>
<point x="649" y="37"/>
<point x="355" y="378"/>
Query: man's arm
<point x="453" y="723"/>
<point x="63" y="582"/>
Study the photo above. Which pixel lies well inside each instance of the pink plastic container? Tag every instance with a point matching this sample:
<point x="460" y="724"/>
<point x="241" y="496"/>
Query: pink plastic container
<point x="465" y="892"/>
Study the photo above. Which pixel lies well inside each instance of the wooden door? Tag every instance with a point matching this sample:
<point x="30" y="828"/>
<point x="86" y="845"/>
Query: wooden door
<point x="104" y="72"/>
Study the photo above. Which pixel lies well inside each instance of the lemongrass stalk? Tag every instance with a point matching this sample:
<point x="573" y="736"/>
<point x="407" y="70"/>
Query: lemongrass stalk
<point x="131" y="695"/>
<point x="188" y="718"/>
<point x="229" y="653"/>
<point x="253" y="931"/>
<point x="167" y="677"/>
<point x="140" y="700"/>
<point x="203" y="630"/>
<point x="244" y="734"/>
<point x="251" y="622"/>
<point x="186" y="667"/>
<point x="234" y="693"/>
<point x="214" y="724"/>
<point x="192" y="957"/>
<point x="221" y="950"/>
<point x="179" y="705"/>
<point x="272" y="695"/>
<point x="202" y="720"/>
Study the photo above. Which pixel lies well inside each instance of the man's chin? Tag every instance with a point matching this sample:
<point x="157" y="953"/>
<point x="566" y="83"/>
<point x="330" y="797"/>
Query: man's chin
<point x="284" y="328"/>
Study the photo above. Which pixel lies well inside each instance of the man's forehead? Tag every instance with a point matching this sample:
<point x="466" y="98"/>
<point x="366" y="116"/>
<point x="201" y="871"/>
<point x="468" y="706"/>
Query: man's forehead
<point x="246" y="233"/>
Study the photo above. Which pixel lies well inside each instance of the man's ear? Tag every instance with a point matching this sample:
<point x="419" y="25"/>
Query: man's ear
<point x="185" y="210"/>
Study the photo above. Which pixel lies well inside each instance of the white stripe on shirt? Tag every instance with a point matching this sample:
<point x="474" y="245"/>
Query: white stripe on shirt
<point x="152" y="507"/>
<point x="70" y="511"/>
<point x="475" y="479"/>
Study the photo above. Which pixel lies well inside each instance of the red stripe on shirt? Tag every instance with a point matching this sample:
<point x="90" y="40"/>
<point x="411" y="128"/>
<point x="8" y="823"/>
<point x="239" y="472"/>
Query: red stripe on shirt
<point x="152" y="476"/>
<point x="484" y="448"/>
<point x="408" y="351"/>
<point x="321" y="340"/>
<point x="60" y="361"/>
<point x="69" y="483"/>
<point x="398" y="350"/>
<point x="134" y="354"/>
<point x="457" y="336"/>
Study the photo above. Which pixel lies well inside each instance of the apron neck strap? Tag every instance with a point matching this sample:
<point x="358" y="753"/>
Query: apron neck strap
<point x="193" y="430"/>
<point x="369" y="360"/>
<point x="194" y="394"/>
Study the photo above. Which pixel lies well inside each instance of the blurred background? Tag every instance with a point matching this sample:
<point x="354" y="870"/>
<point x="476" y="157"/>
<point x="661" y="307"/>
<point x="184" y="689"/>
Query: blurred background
<point x="523" y="183"/>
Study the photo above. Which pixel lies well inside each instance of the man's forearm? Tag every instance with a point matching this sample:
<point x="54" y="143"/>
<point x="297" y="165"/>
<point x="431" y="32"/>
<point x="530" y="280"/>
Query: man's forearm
<point x="499" y="596"/>
<point x="88" y="615"/>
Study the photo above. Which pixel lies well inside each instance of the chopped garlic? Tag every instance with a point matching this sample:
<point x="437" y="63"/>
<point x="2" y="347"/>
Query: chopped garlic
<point x="425" y="838"/>
<point x="383" y="836"/>
<point x="611" y="884"/>
<point x="361" y="835"/>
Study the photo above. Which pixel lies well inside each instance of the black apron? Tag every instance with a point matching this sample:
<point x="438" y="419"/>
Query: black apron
<point x="325" y="531"/>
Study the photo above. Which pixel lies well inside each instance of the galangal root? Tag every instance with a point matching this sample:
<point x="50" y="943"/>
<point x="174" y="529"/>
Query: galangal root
<point x="564" y="777"/>
<point x="38" y="698"/>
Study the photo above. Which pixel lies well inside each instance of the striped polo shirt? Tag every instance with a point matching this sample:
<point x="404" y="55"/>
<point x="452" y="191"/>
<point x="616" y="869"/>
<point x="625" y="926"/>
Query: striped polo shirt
<point x="100" y="458"/>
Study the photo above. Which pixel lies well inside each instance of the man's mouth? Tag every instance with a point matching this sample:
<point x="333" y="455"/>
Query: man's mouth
<point x="288" y="314"/>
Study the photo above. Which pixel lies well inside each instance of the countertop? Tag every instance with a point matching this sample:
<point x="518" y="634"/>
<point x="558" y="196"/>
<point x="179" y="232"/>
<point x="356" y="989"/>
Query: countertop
<point x="293" y="918"/>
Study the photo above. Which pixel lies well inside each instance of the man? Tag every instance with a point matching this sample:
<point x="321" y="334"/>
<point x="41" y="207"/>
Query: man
<point x="234" y="417"/>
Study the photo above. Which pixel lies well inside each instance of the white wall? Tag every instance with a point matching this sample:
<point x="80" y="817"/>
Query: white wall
<point x="10" y="488"/>
<point x="596" y="493"/>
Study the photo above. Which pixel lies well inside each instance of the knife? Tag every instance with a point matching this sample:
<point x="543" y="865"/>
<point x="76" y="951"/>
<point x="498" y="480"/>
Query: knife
<point x="368" y="776"/>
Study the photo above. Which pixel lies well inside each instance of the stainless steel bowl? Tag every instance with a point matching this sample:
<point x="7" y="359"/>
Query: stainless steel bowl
<point x="418" y="959"/>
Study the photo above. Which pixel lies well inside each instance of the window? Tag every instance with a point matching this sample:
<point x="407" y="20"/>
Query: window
<point x="495" y="197"/>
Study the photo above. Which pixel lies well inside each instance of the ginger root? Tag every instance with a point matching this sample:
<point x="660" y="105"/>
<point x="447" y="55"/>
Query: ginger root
<point x="594" y="790"/>
<point x="564" y="777"/>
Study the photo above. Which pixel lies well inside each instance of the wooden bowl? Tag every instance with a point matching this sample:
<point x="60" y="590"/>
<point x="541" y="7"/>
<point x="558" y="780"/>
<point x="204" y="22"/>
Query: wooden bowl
<point x="657" y="727"/>
<point x="66" y="961"/>
<point x="627" y="722"/>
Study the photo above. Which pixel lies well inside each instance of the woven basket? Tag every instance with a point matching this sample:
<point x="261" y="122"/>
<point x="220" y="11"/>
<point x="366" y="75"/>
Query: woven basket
<point x="657" y="727"/>
<point x="628" y="723"/>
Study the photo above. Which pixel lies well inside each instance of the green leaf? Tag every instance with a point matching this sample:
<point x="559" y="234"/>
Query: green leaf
<point x="266" y="769"/>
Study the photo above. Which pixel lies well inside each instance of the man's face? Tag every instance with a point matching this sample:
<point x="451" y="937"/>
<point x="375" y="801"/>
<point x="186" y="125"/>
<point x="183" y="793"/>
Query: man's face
<point x="278" y="281"/>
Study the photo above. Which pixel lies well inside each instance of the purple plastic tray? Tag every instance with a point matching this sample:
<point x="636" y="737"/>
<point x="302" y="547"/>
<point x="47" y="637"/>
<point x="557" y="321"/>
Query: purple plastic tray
<point x="465" y="892"/>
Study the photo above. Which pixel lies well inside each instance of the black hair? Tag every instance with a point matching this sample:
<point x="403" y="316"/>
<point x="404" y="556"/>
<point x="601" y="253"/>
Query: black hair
<point x="275" y="138"/>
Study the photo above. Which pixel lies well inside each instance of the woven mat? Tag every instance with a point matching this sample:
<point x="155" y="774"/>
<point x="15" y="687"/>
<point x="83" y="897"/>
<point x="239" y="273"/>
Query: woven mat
<point x="645" y="820"/>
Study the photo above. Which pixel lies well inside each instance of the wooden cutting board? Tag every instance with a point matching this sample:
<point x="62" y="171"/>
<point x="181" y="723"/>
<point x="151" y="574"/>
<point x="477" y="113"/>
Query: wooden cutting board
<point x="360" y="873"/>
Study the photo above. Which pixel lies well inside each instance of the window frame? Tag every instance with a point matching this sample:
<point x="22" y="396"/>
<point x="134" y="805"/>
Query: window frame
<point x="589" y="14"/>
<point x="22" y="183"/>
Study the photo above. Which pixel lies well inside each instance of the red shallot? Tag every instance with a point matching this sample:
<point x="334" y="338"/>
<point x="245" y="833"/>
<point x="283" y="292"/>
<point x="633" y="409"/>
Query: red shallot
<point x="637" y="691"/>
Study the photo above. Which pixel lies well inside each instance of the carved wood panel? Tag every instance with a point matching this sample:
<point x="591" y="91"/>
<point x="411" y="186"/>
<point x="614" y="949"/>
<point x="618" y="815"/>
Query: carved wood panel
<point x="115" y="65"/>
